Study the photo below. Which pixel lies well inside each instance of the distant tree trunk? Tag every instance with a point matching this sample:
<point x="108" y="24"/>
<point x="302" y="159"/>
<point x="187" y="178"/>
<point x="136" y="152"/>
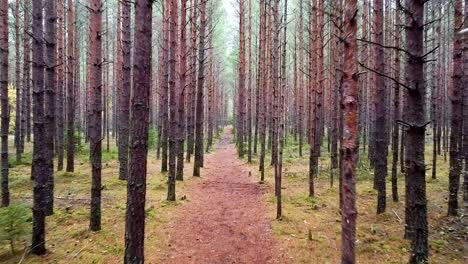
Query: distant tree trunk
<point x="59" y="118"/>
<point x="193" y="81"/>
<point x="165" y="87"/>
<point x="124" y="89"/>
<point x="200" y="84"/>
<point x="318" y="133"/>
<point x="4" y="99"/>
<point x="396" y="110"/>
<point x="39" y="166"/>
<point x="301" y="78"/>
<point x="50" y="60"/>
<point x="415" y="133"/>
<point x="262" y="70"/>
<point x="350" y="106"/>
<point x="173" y="19"/>
<point x="70" y="91"/>
<point x="313" y="80"/>
<point x="250" y="88"/>
<point x="105" y="98"/>
<point x="380" y="148"/>
<point x="95" y="110"/>
<point x="456" y="117"/>
<point x="182" y="89"/>
<point x="136" y="188"/>
<point x="241" y="83"/>
<point x="25" y="108"/>
<point x="18" y="84"/>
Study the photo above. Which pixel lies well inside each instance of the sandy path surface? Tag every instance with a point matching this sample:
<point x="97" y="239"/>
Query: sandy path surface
<point x="225" y="219"/>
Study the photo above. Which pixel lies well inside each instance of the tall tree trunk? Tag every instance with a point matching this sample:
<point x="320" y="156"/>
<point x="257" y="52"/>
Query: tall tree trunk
<point x="381" y="142"/>
<point x="249" y="88"/>
<point x="262" y="86"/>
<point x="59" y="117"/>
<point x="25" y="108"/>
<point x="173" y="19"/>
<point x="241" y="83"/>
<point x="193" y="81"/>
<point x="350" y="106"/>
<point x="301" y="78"/>
<point x="165" y="86"/>
<point x="17" y="84"/>
<point x="136" y="188"/>
<point x="415" y="117"/>
<point x="50" y="60"/>
<point x="396" y="110"/>
<point x="465" y="108"/>
<point x="182" y="90"/>
<point x="124" y="90"/>
<point x="5" y="116"/>
<point x="456" y="116"/>
<point x="95" y="110"/>
<point x="70" y="90"/>
<point x="39" y="166"/>
<point x="198" y="163"/>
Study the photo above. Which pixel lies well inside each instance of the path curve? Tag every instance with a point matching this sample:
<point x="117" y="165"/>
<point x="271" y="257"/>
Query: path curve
<point x="225" y="219"/>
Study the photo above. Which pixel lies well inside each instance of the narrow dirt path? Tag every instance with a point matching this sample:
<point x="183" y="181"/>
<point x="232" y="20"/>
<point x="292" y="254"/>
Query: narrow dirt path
<point x="225" y="219"/>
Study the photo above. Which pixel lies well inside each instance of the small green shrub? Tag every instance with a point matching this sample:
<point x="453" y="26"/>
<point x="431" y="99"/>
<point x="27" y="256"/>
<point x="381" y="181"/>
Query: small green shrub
<point x="152" y="137"/>
<point x="15" y="223"/>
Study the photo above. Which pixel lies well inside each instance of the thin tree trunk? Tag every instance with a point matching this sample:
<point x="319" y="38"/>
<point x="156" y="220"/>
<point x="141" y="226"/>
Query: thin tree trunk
<point x="182" y="87"/>
<point x="25" y="108"/>
<point x="200" y="84"/>
<point x="250" y="88"/>
<point x="241" y="83"/>
<point x="70" y="91"/>
<point x="191" y="101"/>
<point x="173" y="19"/>
<point x="381" y="142"/>
<point x="17" y="84"/>
<point x="59" y="117"/>
<point x="396" y="111"/>
<point x="456" y="117"/>
<point x="50" y="60"/>
<point x="124" y="89"/>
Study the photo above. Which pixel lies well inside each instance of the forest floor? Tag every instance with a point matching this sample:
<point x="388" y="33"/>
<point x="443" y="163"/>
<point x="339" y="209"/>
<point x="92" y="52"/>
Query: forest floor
<point x="226" y="216"/>
<point x="226" y="219"/>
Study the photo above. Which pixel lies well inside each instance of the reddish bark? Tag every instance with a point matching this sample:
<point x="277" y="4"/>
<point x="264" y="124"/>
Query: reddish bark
<point x="95" y="109"/>
<point x="456" y="94"/>
<point x="350" y="106"/>
<point x="191" y="102"/>
<point x="182" y="90"/>
<point x="124" y="88"/>
<point x="241" y="83"/>
<point x="200" y="84"/>
<point x="381" y="138"/>
<point x="70" y="90"/>
<point x="59" y="117"/>
<point x="136" y="188"/>
<point x="173" y="19"/>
